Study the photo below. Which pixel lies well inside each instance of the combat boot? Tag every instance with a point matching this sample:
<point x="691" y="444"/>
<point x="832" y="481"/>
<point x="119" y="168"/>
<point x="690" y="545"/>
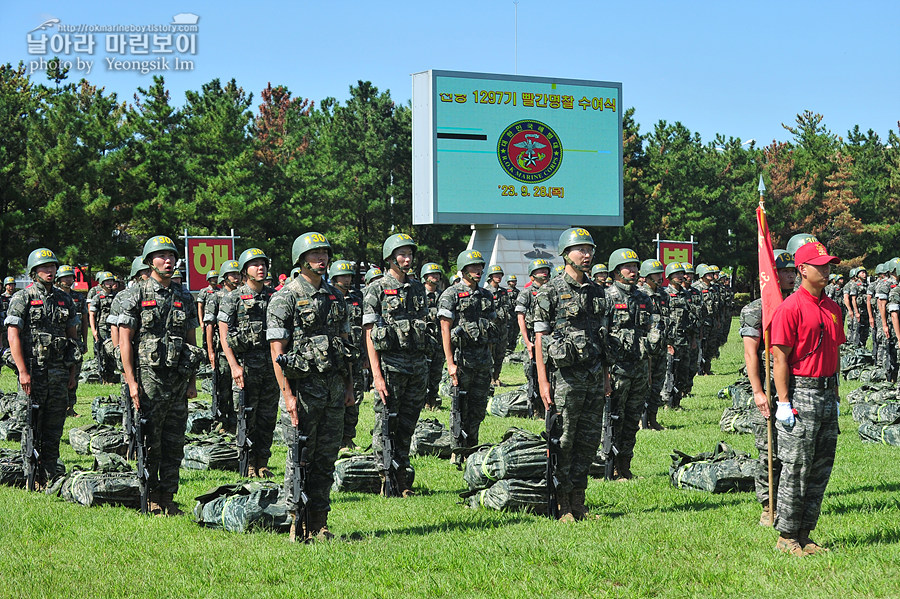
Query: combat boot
<point x="623" y="468"/>
<point x="168" y="505"/>
<point x="318" y="527"/>
<point x="810" y="547"/>
<point x="652" y="423"/>
<point x="154" y="504"/>
<point x="789" y="545"/>
<point x="565" y="508"/>
<point x="579" y="509"/>
<point x="251" y="471"/>
<point x="262" y="469"/>
<point x="402" y="485"/>
<point x="765" y="519"/>
<point x="298" y="532"/>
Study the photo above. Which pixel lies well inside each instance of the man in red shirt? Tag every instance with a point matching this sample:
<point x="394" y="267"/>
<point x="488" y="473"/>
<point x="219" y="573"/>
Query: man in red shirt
<point x="807" y="330"/>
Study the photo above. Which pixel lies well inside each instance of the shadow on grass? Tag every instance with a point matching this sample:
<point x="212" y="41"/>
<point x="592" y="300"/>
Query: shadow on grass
<point x="427" y="529"/>
<point x="880" y="488"/>
<point x="875" y="537"/>
<point x="699" y="505"/>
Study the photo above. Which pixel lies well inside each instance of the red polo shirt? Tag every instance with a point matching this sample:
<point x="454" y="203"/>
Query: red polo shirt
<point x="796" y="324"/>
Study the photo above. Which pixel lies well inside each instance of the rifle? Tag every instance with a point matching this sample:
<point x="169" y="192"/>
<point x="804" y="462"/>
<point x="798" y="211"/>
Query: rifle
<point x="456" y="429"/>
<point x="533" y="395"/>
<point x="610" y="451"/>
<point x="390" y="465"/>
<point x="644" y="424"/>
<point x="700" y="369"/>
<point x="553" y="432"/>
<point x="243" y="442"/>
<point x="30" y="454"/>
<point x="214" y="403"/>
<point x="140" y="451"/>
<point x="128" y="422"/>
<point x="299" y="476"/>
<point x="669" y="384"/>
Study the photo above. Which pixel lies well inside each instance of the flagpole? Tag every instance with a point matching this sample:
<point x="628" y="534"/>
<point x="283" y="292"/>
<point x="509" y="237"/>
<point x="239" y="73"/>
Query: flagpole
<point x="770" y="433"/>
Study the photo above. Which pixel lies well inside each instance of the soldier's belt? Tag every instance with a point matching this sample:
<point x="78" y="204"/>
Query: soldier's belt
<point x="814" y="382"/>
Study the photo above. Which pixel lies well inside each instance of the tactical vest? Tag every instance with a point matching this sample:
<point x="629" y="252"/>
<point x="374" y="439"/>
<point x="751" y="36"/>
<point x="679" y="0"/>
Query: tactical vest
<point x="501" y="303"/>
<point x="104" y="303"/>
<point x="630" y="324"/>
<point x="355" y="308"/>
<point x="249" y="333"/>
<point x="44" y="333"/>
<point x="577" y="336"/>
<point x="474" y="327"/>
<point x="682" y="320"/>
<point x="161" y="330"/>
<point x="401" y="324"/>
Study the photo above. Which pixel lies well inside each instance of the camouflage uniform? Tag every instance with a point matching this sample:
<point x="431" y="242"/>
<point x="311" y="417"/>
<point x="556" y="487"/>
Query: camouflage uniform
<point x="225" y="400"/>
<point x="436" y="364"/>
<point x="103" y="350"/>
<point x="512" y="334"/>
<point x="472" y="316"/>
<point x="43" y="319"/>
<point x="697" y="308"/>
<point x="892" y="307"/>
<point x="662" y="321"/>
<point x="525" y="305"/>
<point x="203" y="297"/>
<point x="81" y="310"/>
<point x="751" y="326"/>
<point x="856" y="290"/>
<point x="564" y="311"/>
<point x="634" y="333"/>
<point x="503" y="308"/>
<point x="162" y="319"/>
<point x="351" y="414"/>
<point x="244" y="312"/>
<point x="303" y="316"/>
<point x="683" y="326"/>
<point x="398" y="313"/>
<point x="708" y="307"/>
<point x="887" y="356"/>
<point x="875" y="323"/>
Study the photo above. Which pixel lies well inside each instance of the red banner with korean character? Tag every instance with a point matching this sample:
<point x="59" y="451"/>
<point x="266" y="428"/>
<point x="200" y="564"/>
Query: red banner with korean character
<point x="205" y="254"/>
<point x="674" y="251"/>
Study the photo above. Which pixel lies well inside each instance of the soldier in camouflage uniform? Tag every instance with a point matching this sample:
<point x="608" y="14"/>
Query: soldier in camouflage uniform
<point x="205" y="294"/>
<point x="871" y="308"/>
<point x="512" y="332"/>
<point x="65" y="278"/>
<point x="892" y="308"/>
<point x="539" y="271"/>
<point x="837" y="293"/>
<point x="157" y="341"/>
<point x="431" y="277"/>
<point x="504" y="311"/>
<point x="634" y="334"/>
<point x="652" y="271"/>
<point x="9" y="288"/>
<point x="309" y="328"/>
<point x="99" y="314"/>
<point x="570" y="353"/>
<point x="683" y="329"/>
<point x="467" y="332"/>
<point x="697" y="307"/>
<point x="229" y="279"/>
<point x="854" y="299"/>
<point x="341" y="274"/>
<point x="806" y="336"/>
<point x="599" y="274"/>
<point x="888" y="354"/>
<point x="41" y="327"/>
<point x="397" y="343"/>
<point x="708" y="316"/>
<point x="751" y="331"/>
<point x="242" y="333"/>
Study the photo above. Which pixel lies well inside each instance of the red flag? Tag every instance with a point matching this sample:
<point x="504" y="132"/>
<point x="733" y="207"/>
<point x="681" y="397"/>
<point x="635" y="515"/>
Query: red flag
<point x="769" y="288"/>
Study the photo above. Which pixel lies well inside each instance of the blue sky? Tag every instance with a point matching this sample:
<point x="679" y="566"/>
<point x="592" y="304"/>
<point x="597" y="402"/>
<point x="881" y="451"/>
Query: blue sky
<point x="737" y="68"/>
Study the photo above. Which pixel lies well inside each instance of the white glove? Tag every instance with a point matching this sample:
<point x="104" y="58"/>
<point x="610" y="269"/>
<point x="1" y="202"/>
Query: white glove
<point x="785" y="414"/>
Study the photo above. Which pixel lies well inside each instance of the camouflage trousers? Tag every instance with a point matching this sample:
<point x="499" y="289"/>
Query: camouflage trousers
<point x="657" y="378"/>
<point x="406" y="398"/>
<point x="498" y="352"/>
<point x="761" y="437"/>
<point x="106" y="363"/>
<point x="48" y="391"/>
<point x="863" y="330"/>
<point x="164" y="406"/>
<point x="476" y="382"/>
<point x="351" y="413"/>
<point x="693" y="354"/>
<point x="224" y="392"/>
<point x="261" y="393"/>
<point x="888" y="357"/>
<point x="512" y="334"/>
<point x="72" y="395"/>
<point x="630" y="391"/>
<point x="806" y="451"/>
<point x="579" y="396"/>
<point x="320" y="406"/>
<point x="435" y="373"/>
<point x="681" y="371"/>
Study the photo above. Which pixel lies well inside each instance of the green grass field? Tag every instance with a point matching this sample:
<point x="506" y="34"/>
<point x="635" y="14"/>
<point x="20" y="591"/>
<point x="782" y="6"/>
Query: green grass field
<point x="647" y="540"/>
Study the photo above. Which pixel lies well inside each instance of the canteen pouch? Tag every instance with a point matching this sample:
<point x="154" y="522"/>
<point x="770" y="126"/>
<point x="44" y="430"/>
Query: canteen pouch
<point x="149" y="352"/>
<point x="173" y="351"/>
<point x="383" y="337"/>
<point x="320" y="347"/>
<point x="191" y="356"/>
<point x="72" y="354"/>
<point x="41" y="345"/>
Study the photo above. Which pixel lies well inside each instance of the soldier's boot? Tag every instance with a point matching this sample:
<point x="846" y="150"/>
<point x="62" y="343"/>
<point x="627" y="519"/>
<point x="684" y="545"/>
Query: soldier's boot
<point x="251" y="471"/>
<point x="810" y="547"/>
<point x="297" y="534"/>
<point x="403" y="486"/>
<point x="707" y="367"/>
<point x="318" y="527"/>
<point x="154" y="506"/>
<point x="383" y="492"/>
<point x="167" y="503"/>
<point x="765" y="518"/>
<point x="262" y="468"/>
<point x="652" y="423"/>
<point x="565" y="507"/>
<point x="623" y="468"/>
<point x="789" y="544"/>
<point x="576" y="502"/>
<point x="70" y="411"/>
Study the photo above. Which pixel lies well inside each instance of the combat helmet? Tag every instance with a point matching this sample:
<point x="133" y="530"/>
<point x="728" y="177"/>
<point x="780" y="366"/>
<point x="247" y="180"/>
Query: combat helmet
<point x="574" y="236"/>
<point x="783" y="259"/>
<point x="429" y="268"/>
<point x="137" y="266"/>
<point x="306" y="242"/>
<point x="40" y="256"/>
<point x="398" y="240"/>
<point x="251" y="254"/>
<point x="798" y="240"/>
<point x="105" y="276"/>
<point x="212" y="274"/>
<point x="64" y="271"/>
<point x="495" y="269"/>
<point x="340" y="267"/>
<point x="559" y="269"/>
<point x="373" y="274"/>
<point x="158" y="243"/>
<point x="9" y="281"/>
<point x="651" y="267"/>
<point x="598" y="268"/>
<point x="622" y="256"/>
<point x="231" y="266"/>
<point x="537" y="264"/>
<point x="672" y="268"/>
<point x="468" y="258"/>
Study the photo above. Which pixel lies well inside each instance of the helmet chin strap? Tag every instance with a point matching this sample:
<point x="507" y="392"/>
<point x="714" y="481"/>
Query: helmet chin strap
<point x="576" y="266"/>
<point x="467" y="275"/>
<point x="163" y="273"/>
<point x="318" y="270"/>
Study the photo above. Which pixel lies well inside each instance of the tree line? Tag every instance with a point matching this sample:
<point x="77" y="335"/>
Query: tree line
<point x="92" y="176"/>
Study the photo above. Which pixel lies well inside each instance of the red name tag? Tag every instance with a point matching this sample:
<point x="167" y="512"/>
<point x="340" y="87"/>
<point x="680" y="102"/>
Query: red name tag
<point x="148" y="303"/>
<point x="332" y="297"/>
<point x="621" y="306"/>
<point x="704" y="291"/>
<point x="390" y="292"/>
<point x="210" y="291"/>
<point x="355" y="303"/>
<point x="674" y="294"/>
<point x="37" y="302"/>
<point x="61" y="303"/>
<point x="176" y="304"/>
<point x="643" y="306"/>
<point x="463" y="294"/>
<point x="247" y="296"/>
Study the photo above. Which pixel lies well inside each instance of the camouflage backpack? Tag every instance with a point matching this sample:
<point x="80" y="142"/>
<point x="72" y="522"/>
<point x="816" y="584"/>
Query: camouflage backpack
<point x="359" y="473"/>
<point x="520" y="455"/>
<point x="718" y="471"/>
<point x="244" y="507"/>
<point x="740" y="393"/>
<point x="199" y="420"/>
<point x="511" y="403"/>
<point x="736" y="420"/>
<point x="210" y="452"/>
<point x="111" y="482"/>
<point x="94" y="438"/>
<point x="884" y="413"/>
<point x="12" y="468"/>
<point x="107" y="410"/>
<point x="12" y="417"/>
<point x="512" y="495"/>
<point x="431" y="438"/>
<point x="877" y="433"/>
